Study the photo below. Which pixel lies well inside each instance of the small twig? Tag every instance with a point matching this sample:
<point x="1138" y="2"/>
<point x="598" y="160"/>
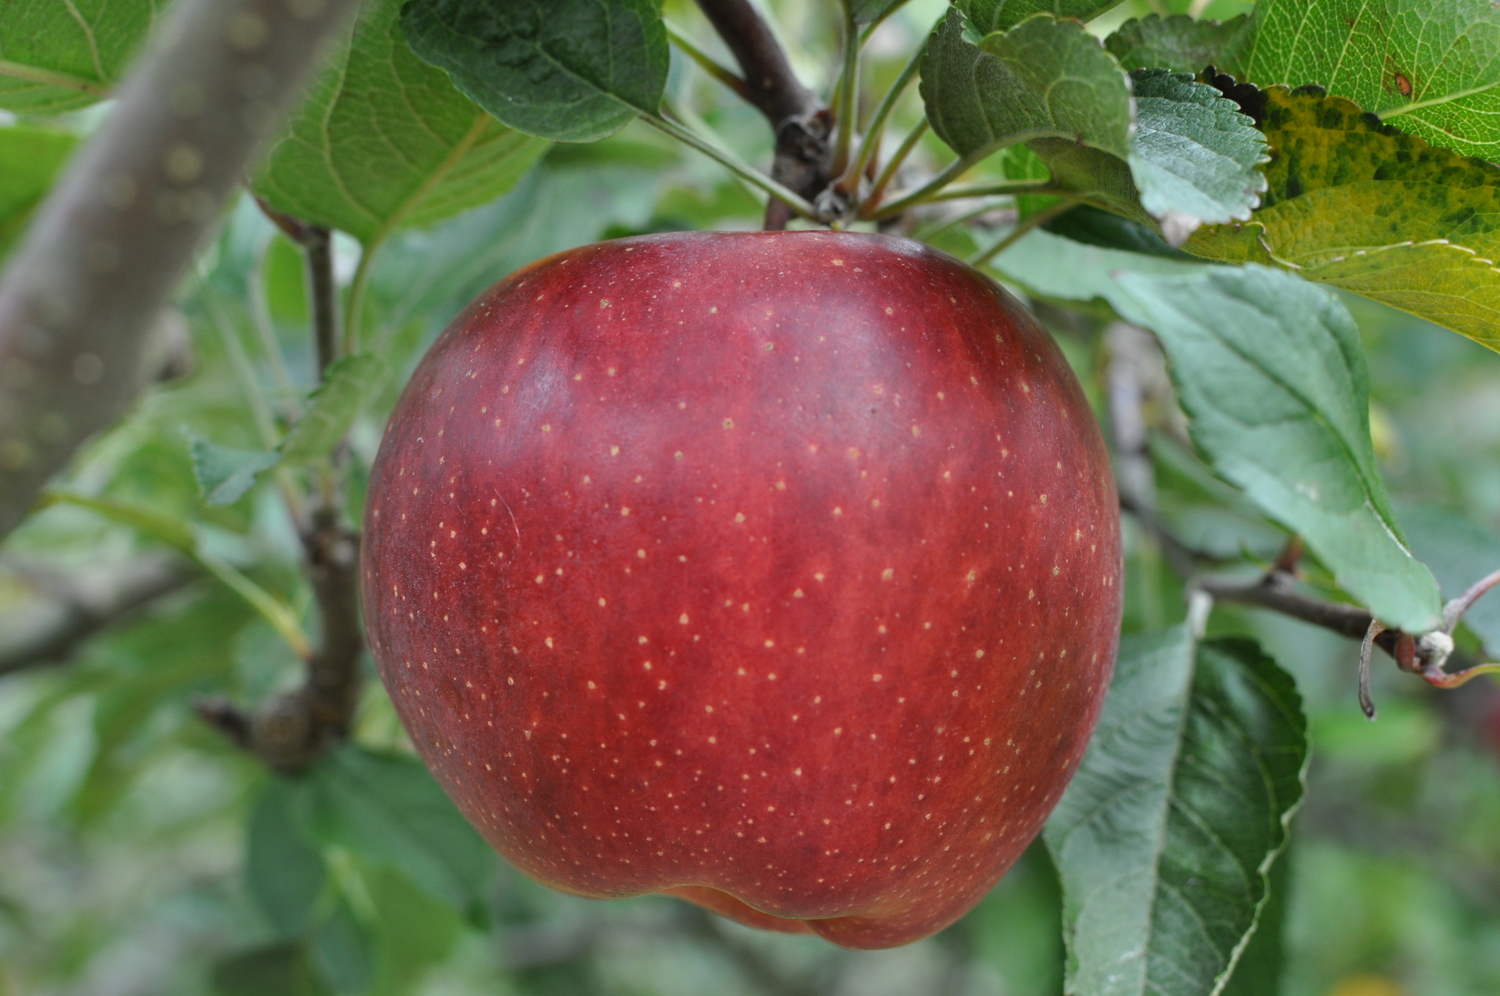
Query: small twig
<point x="291" y="731"/>
<point x="1276" y="591"/>
<point x="1455" y="609"/>
<point x="1424" y="655"/>
<point x="316" y="242"/>
<point x="798" y="119"/>
<point x="322" y="295"/>
<point x="774" y="87"/>
<point x="1290" y="556"/>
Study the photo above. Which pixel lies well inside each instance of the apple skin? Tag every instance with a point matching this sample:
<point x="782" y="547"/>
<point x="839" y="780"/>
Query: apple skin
<point x="777" y="571"/>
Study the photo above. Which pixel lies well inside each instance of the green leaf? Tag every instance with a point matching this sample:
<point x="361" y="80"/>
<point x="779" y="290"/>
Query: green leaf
<point x="60" y="56"/>
<point x="1193" y="152"/>
<point x="1362" y="206"/>
<point x="280" y="969"/>
<point x="437" y="153"/>
<point x="225" y="474"/>
<point x="1270" y="370"/>
<point x="1165" y="837"/>
<point x="1043" y="78"/>
<point x="872" y="11"/>
<point x="1432" y="67"/>
<point x="1181" y="43"/>
<point x="1051" y="266"/>
<point x="284" y="868"/>
<point x="1459" y="552"/>
<point x="1262" y="964"/>
<point x="347" y="384"/>
<point x="997" y="15"/>
<point x="30" y="159"/>
<point x="388" y="810"/>
<point x="386" y="141"/>
<point x="568" y="70"/>
<point x="342" y="951"/>
<point x="1091" y="226"/>
<point x="410" y="931"/>
<point x="1177" y="150"/>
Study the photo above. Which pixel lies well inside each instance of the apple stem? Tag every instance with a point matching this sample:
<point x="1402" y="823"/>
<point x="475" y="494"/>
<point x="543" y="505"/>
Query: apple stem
<point x="109" y="246"/>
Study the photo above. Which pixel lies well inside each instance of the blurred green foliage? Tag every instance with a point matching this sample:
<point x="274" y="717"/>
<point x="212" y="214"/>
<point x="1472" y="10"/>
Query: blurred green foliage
<point x="141" y="854"/>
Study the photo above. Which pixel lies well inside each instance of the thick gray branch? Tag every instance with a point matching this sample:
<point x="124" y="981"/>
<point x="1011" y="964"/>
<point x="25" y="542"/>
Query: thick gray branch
<point x="113" y="240"/>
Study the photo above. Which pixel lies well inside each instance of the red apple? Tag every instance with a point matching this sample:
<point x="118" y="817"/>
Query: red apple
<point x="776" y="571"/>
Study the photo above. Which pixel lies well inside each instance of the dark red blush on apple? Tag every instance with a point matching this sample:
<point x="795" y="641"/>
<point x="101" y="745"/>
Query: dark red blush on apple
<point x="777" y="570"/>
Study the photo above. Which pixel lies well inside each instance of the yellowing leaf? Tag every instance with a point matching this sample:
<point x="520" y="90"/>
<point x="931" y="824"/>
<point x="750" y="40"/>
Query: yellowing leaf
<point x="1361" y="205"/>
<point x="1433" y="63"/>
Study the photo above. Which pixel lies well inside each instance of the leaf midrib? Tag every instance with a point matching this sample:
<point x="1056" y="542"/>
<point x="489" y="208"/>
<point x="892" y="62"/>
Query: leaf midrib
<point x="52" y="77"/>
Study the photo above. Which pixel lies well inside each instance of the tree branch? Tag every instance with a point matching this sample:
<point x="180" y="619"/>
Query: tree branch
<point x="291" y="731"/>
<point x="73" y="608"/>
<point x="110" y="244"/>
<point x="800" y="121"/>
<point x="1276" y="590"/>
